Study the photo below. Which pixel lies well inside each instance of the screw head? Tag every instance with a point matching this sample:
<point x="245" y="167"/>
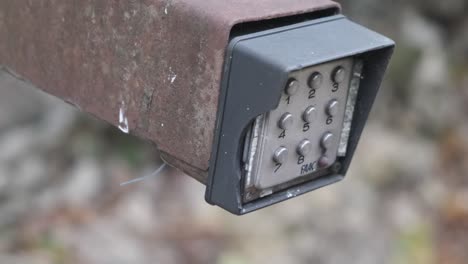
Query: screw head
<point x="336" y="167"/>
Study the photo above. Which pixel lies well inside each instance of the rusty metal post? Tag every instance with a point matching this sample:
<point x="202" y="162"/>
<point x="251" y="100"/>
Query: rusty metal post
<point x="152" y="67"/>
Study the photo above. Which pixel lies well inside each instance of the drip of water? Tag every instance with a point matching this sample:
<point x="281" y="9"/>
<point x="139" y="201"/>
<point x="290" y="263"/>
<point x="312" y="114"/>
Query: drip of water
<point x="123" y="120"/>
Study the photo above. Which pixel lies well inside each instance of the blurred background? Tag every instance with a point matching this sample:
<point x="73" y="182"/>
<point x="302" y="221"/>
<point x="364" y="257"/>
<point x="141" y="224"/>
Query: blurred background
<point x="405" y="199"/>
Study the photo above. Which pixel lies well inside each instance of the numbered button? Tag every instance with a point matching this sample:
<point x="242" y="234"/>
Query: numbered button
<point x="285" y="121"/>
<point x="339" y="75"/>
<point x="304" y="148"/>
<point x="310" y="114"/>
<point x="327" y="140"/>
<point x="281" y="155"/>
<point x="293" y="87"/>
<point x="332" y="108"/>
<point x="316" y="80"/>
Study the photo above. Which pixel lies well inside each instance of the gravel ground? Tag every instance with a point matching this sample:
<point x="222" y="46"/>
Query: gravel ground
<point x="404" y="201"/>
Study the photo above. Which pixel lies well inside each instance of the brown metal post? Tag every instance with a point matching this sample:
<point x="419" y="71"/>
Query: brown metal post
<point x="152" y="67"/>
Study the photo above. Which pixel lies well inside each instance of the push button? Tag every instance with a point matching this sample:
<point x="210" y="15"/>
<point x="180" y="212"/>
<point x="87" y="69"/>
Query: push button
<point x="323" y="162"/>
<point x="339" y="75"/>
<point x="304" y="148"/>
<point x="316" y="80"/>
<point x="310" y="114"/>
<point x="285" y="121"/>
<point x="293" y="87"/>
<point x="332" y="108"/>
<point x="327" y="140"/>
<point x="281" y="155"/>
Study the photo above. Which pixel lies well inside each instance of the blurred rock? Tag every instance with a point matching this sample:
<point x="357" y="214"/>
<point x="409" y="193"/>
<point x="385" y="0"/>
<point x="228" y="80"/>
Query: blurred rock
<point x="136" y="212"/>
<point x="30" y="258"/>
<point x="105" y="242"/>
<point x="83" y="184"/>
<point x="435" y="104"/>
<point x="393" y="160"/>
<point x="443" y="10"/>
<point x="459" y="49"/>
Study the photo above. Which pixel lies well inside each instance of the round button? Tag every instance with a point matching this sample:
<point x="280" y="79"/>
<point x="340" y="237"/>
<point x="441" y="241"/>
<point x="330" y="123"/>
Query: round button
<point x="315" y="80"/>
<point x="332" y="108"/>
<point x="327" y="140"/>
<point x="304" y="148"/>
<point x="281" y="155"/>
<point x="310" y="114"/>
<point x="323" y="162"/>
<point x="293" y="87"/>
<point x="285" y="121"/>
<point x="339" y="75"/>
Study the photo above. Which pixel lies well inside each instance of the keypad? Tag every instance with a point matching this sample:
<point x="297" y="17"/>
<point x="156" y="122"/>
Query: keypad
<point x="302" y="135"/>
